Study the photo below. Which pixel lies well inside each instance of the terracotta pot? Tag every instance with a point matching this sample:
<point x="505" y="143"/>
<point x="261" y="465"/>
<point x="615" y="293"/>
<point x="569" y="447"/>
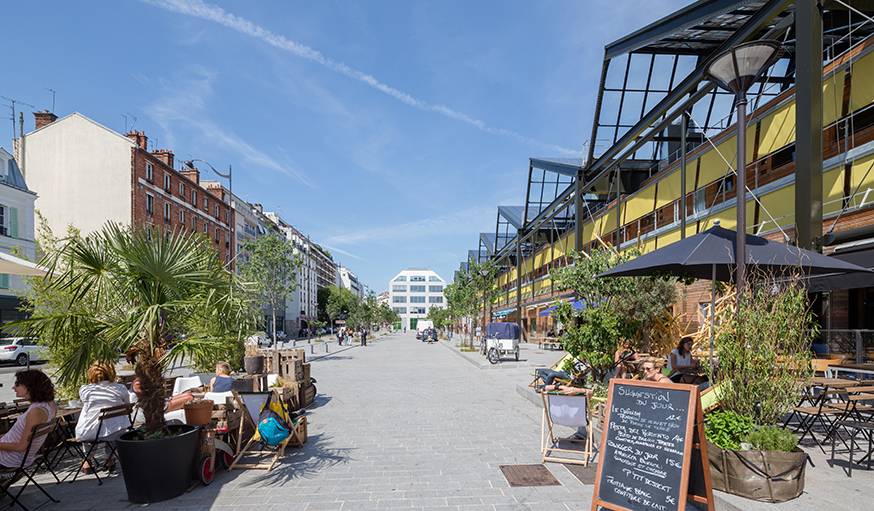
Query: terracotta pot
<point x="198" y="413"/>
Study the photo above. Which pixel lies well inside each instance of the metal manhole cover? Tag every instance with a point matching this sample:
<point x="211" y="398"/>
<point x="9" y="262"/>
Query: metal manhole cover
<point x="529" y="475"/>
<point x="586" y="475"/>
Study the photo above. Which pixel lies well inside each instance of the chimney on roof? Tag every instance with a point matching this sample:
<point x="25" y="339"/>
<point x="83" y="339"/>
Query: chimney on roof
<point x="191" y="172"/>
<point x="139" y="138"/>
<point x="258" y="207"/>
<point x="165" y="155"/>
<point x="44" y="118"/>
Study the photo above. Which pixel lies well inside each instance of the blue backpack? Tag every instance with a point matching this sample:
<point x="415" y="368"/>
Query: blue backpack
<point x="271" y="426"/>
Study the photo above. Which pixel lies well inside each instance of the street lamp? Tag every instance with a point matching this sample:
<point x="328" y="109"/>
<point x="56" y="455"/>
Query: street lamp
<point x="735" y="70"/>
<point x="230" y="177"/>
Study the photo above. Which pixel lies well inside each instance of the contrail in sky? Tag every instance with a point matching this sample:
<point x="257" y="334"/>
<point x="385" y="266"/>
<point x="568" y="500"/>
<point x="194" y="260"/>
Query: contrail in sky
<point x="214" y="13"/>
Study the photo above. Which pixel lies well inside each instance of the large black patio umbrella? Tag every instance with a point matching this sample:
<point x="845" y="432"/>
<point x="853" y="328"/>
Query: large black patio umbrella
<point x="710" y="255"/>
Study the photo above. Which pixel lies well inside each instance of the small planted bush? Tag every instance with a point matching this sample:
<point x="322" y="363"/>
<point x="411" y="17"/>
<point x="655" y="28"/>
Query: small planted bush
<point x="728" y="429"/>
<point x="772" y="438"/>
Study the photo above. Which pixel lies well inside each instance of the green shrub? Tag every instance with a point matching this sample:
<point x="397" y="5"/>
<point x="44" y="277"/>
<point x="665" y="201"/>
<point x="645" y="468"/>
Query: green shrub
<point x="727" y="429"/>
<point x="772" y="438"/>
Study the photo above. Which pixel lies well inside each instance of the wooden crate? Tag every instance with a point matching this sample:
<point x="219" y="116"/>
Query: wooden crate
<point x="306" y="373"/>
<point x="307" y="395"/>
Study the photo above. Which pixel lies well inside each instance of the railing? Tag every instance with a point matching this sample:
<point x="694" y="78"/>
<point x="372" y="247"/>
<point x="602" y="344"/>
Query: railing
<point x="858" y="343"/>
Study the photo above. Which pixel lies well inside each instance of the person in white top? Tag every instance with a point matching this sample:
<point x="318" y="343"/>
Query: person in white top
<point x="36" y="387"/>
<point x="680" y="361"/>
<point x="100" y="392"/>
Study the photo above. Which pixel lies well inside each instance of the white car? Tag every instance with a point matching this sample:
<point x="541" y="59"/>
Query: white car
<point x="21" y="350"/>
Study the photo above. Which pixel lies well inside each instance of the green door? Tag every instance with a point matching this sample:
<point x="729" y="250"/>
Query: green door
<point x="413" y="323"/>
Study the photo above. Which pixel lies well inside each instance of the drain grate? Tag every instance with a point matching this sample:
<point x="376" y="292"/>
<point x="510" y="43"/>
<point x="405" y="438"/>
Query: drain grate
<point x="529" y="475"/>
<point x="585" y="475"/>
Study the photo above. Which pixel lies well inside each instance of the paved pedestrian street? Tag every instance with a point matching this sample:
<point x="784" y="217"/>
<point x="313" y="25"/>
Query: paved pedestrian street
<point x="399" y="424"/>
<point x="402" y="424"/>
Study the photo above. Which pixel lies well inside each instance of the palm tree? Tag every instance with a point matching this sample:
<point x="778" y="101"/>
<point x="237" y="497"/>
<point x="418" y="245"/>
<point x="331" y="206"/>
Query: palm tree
<point x="156" y="299"/>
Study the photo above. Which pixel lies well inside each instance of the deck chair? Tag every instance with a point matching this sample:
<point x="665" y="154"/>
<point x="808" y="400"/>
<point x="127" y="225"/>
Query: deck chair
<point x="8" y="476"/>
<point x="565" y="410"/>
<point x="710" y="398"/>
<point x="252" y="403"/>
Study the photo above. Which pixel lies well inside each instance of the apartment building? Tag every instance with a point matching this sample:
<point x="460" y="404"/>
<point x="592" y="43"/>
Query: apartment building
<point x="85" y="175"/>
<point x="16" y="233"/>
<point x="346" y="279"/>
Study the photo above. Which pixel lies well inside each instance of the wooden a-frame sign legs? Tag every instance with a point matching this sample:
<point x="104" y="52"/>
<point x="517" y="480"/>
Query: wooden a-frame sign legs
<point x="694" y="470"/>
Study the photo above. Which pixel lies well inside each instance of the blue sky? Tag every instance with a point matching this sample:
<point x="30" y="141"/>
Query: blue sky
<point x="387" y="130"/>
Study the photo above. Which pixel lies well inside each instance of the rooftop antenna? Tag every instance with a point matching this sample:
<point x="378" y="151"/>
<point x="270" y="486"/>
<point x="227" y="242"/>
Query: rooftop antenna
<point x="133" y="121"/>
<point x="12" y="102"/>
<point x="53" y="91"/>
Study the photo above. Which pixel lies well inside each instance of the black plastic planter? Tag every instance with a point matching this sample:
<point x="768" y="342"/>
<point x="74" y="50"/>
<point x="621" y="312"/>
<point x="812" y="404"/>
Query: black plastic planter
<point x="160" y="469"/>
<point x="254" y="364"/>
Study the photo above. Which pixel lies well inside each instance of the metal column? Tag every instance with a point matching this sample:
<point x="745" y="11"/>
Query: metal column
<point x="740" y="246"/>
<point x="519" y="282"/>
<point x="808" y="124"/>
<point x="578" y="211"/>
<point x="683" y="128"/>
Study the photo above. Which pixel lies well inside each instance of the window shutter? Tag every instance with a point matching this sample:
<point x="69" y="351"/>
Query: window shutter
<point x="13" y="227"/>
<point x="4" y="281"/>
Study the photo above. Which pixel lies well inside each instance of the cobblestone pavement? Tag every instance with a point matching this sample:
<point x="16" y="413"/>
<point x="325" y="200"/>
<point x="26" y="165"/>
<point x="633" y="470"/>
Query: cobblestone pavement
<point x="398" y="424"/>
<point x="402" y="424"/>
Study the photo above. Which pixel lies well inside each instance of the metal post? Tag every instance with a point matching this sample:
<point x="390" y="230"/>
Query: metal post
<point x="712" y="316"/>
<point x="808" y="152"/>
<point x="740" y="255"/>
<point x="578" y="211"/>
<point x="683" y="128"/>
<point x="519" y="279"/>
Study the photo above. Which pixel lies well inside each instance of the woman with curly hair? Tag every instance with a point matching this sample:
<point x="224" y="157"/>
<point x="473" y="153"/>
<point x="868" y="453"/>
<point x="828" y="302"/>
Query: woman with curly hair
<point x="37" y="388"/>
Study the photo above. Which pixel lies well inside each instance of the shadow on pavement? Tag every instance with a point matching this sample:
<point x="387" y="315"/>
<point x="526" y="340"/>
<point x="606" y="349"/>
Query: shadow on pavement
<point x="306" y="461"/>
<point x="319" y="401"/>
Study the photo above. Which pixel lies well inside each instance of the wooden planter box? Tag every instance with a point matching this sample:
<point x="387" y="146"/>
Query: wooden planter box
<point x="286" y="363"/>
<point x="766" y="476"/>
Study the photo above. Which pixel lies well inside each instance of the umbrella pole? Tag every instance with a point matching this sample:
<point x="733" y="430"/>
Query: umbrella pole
<point x="712" y="313"/>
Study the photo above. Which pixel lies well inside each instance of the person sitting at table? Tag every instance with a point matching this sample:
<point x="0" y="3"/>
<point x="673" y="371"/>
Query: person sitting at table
<point x="34" y="386"/>
<point x="100" y="392"/>
<point x="222" y="381"/>
<point x="652" y="371"/>
<point x="550" y="333"/>
<point x="623" y="359"/>
<point x="680" y="361"/>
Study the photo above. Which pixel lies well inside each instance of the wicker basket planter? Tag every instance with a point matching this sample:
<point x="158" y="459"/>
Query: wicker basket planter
<point x="766" y="476"/>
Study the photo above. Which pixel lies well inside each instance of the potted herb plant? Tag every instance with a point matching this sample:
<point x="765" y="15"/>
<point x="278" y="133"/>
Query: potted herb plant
<point x="764" y="359"/>
<point x="148" y="296"/>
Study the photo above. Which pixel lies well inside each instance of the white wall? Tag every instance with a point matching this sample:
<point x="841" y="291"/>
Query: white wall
<point x="21" y="245"/>
<point x="81" y="173"/>
<point x="429" y="276"/>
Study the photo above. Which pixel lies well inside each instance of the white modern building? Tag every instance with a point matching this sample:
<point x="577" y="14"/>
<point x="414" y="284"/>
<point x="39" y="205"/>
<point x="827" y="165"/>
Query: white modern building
<point x="16" y="232"/>
<point x="413" y="292"/>
<point x="346" y="279"/>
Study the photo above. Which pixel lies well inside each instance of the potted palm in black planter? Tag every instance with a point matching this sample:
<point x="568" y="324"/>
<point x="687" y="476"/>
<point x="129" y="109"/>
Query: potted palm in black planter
<point x="156" y="298"/>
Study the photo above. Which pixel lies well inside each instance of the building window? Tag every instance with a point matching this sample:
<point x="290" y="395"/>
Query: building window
<point x="206" y="204"/>
<point x="435" y="299"/>
<point x="700" y="200"/>
<point x="417" y="310"/>
<point x="417" y="299"/>
<point x="166" y="181"/>
<point x="194" y="198"/>
<point x="149" y="232"/>
<point x="150" y="204"/>
<point x="402" y="278"/>
<point x="417" y="289"/>
<point x="432" y="278"/>
<point x="417" y="278"/>
<point x="150" y="172"/>
<point x="398" y="299"/>
<point x="399" y="289"/>
<point x="400" y="310"/>
<point x="4" y="215"/>
<point x="217" y="212"/>
<point x="182" y="216"/>
<point x="182" y="189"/>
<point x="166" y="212"/>
<point x="435" y="289"/>
<point x="205" y="227"/>
<point x="218" y="234"/>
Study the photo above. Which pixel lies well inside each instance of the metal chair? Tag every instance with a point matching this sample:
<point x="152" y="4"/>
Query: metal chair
<point x="27" y="471"/>
<point x="112" y="412"/>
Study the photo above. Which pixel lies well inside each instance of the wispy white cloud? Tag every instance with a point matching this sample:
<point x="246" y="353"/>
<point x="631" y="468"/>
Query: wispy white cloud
<point x="343" y="252"/>
<point x="186" y="104"/>
<point x="451" y="223"/>
<point x="214" y="13"/>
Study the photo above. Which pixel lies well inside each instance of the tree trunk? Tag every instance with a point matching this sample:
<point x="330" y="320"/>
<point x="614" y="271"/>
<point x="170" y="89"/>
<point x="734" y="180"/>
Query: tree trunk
<point x="273" y="314"/>
<point x="151" y="399"/>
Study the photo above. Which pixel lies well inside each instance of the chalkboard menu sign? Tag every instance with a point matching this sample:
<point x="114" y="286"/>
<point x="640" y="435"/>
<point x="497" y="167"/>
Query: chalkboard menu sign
<point x="650" y="437"/>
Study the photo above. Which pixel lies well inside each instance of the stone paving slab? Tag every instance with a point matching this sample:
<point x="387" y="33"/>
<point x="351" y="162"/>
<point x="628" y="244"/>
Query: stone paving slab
<point x="402" y="424"/>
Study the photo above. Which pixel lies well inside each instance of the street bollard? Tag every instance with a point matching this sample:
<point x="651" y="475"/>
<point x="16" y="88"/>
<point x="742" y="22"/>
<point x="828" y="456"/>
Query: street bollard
<point x="326" y="347"/>
<point x="312" y="349"/>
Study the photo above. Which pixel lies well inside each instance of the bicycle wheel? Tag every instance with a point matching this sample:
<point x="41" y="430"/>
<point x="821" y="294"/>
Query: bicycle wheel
<point x="493" y="356"/>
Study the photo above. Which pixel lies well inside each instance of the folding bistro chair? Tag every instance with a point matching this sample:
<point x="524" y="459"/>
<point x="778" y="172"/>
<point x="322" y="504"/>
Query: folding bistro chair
<point x="565" y="410"/>
<point x="252" y="403"/>
<point x="77" y="444"/>
<point x="8" y="476"/>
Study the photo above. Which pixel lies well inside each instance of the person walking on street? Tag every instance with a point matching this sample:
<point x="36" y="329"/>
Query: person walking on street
<point x="363" y="337"/>
<point x="340" y="337"/>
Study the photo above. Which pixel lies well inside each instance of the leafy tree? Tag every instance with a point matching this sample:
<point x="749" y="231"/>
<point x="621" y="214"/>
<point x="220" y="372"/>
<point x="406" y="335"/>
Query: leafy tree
<point x="271" y="267"/>
<point x="439" y="316"/>
<point x="121" y="290"/>
<point x="322" y="304"/>
<point x="471" y="290"/>
<point x="617" y="309"/>
<point x="341" y="303"/>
